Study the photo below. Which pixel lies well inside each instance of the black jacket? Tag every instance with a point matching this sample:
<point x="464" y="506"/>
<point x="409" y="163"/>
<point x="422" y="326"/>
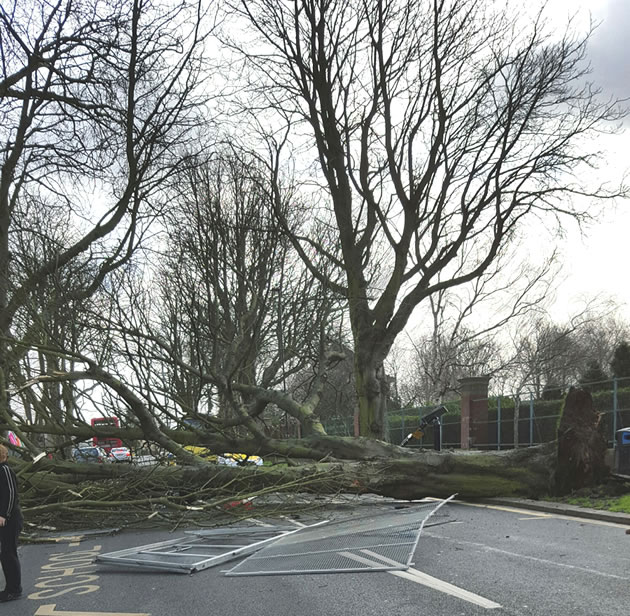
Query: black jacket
<point x="9" y="500"/>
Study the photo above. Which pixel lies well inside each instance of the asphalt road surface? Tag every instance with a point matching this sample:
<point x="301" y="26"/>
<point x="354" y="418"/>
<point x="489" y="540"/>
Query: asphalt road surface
<point x="472" y="560"/>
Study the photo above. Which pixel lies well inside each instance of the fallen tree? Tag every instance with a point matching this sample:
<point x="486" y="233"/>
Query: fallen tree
<point x="65" y="494"/>
<point x="54" y="490"/>
<point x="523" y="472"/>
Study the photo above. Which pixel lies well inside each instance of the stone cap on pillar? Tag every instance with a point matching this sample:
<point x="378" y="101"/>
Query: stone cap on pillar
<point x="476" y="386"/>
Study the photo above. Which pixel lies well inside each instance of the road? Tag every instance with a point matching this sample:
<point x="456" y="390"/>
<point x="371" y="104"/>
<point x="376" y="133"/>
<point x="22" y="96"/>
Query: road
<point x="475" y="560"/>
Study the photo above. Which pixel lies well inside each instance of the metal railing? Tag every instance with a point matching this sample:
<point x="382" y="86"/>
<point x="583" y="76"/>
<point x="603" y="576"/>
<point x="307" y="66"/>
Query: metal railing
<point x="535" y="423"/>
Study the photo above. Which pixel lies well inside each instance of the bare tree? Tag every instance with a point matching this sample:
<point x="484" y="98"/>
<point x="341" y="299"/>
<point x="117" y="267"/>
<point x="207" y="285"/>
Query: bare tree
<point x="439" y="127"/>
<point x="51" y="318"/>
<point x="470" y="328"/>
<point x="602" y="334"/>
<point x="99" y="104"/>
<point x="230" y="314"/>
<point x="550" y="354"/>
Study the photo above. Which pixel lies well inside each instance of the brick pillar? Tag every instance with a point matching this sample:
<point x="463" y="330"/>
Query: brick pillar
<point x="474" y="408"/>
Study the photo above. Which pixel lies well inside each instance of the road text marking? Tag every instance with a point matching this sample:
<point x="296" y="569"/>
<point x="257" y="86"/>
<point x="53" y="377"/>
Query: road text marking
<point x="49" y="610"/>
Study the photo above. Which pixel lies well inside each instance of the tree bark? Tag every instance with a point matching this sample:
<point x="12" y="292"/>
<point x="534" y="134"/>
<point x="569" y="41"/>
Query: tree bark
<point x="470" y="474"/>
<point x="581" y="444"/>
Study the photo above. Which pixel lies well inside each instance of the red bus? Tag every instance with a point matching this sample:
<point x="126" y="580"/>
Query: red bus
<point x="106" y="442"/>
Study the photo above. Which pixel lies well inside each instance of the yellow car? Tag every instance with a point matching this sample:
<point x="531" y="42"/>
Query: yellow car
<point x="202" y="452"/>
<point x="229" y="459"/>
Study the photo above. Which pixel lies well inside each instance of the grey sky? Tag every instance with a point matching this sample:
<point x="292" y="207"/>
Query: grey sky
<point x="610" y="46"/>
<point x="596" y="265"/>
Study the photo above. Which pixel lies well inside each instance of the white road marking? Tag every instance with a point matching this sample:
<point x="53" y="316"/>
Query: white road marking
<point x="49" y="610"/>
<point x="426" y="580"/>
<point x="258" y="522"/>
<point x="418" y="577"/>
<point x="295" y="522"/>
<point x="487" y="548"/>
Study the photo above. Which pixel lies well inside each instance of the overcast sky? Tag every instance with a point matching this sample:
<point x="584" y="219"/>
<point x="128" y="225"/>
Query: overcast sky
<point x="600" y="263"/>
<point x="609" y="49"/>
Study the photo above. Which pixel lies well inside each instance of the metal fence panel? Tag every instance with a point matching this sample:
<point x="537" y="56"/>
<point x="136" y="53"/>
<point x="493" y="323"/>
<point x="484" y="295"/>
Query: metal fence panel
<point x="199" y="550"/>
<point x="378" y="542"/>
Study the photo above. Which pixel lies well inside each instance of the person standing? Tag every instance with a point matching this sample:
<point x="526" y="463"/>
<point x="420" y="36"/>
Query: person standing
<point x="10" y="527"/>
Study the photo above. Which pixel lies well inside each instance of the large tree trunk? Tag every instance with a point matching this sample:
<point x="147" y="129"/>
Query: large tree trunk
<point x="338" y="464"/>
<point x="524" y="472"/>
<point x="372" y="396"/>
<point x="581" y="444"/>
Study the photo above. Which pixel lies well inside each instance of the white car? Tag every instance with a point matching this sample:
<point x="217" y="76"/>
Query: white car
<point x="239" y="459"/>
<point x="146" y="460"/>
<point x="121" y="454"/>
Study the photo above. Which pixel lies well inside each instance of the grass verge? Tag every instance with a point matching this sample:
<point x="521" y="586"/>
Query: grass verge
<point x="613" y="495"/>
<point x="607" y="503"/>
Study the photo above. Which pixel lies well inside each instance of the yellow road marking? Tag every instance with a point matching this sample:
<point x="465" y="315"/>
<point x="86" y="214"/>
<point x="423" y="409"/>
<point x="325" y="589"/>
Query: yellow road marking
<point x="49" y="610"/>
<point x="527" y="512"/>
<point x="74" y="539"/>
<point x="536" y="514"/>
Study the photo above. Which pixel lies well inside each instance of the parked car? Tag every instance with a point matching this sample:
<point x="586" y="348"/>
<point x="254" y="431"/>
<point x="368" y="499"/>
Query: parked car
<point x="145" y="460"/>
<point x="120" y="454"/>
<point x="202" y="452"/>
<point x="239" y="459"/>
<point x="91" y="455"/>
<point x="228" y="459"/>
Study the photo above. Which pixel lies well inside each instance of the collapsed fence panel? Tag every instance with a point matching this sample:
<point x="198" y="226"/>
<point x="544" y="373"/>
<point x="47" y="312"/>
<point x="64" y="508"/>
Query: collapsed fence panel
<point x="199" y="550"/>
<point x="378" y="542"/>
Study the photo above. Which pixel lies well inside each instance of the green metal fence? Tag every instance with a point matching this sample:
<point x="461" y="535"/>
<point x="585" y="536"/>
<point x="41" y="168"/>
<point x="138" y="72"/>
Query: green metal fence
<point x="536" y="420"/>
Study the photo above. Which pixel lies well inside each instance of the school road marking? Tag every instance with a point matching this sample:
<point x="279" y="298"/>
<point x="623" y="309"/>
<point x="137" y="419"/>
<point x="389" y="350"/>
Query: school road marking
<point x="49" y="610"/>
